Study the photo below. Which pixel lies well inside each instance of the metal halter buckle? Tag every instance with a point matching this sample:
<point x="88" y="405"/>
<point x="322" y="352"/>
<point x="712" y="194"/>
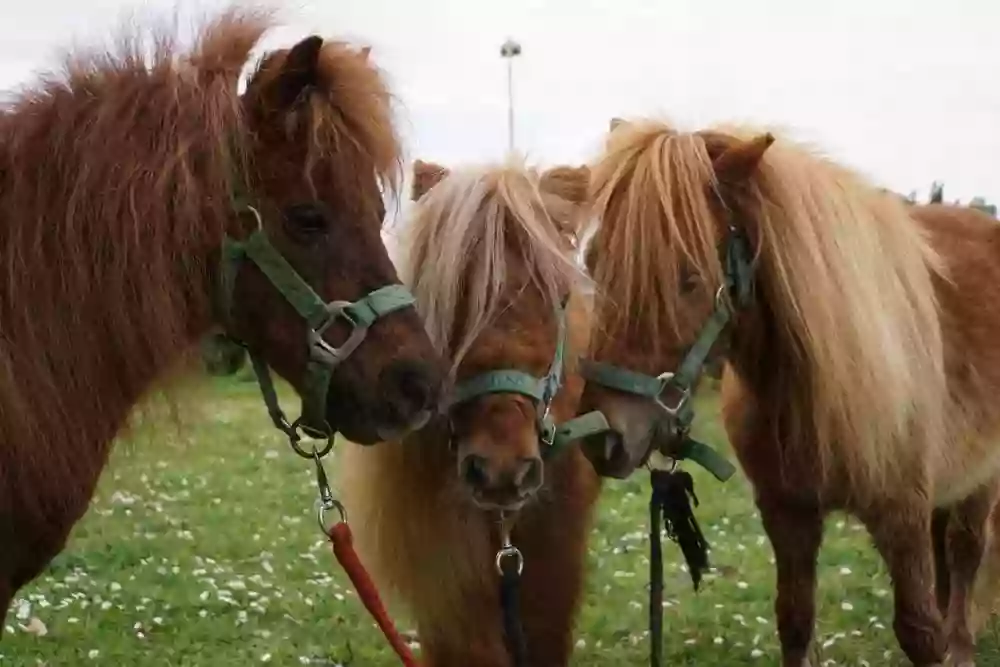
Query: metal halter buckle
<point x="665" y="378"/>
<point x="546" y="431"/>
<point x="508" y="550"/>
<point x="326" y="500"/>
<point x="322" y="351"/>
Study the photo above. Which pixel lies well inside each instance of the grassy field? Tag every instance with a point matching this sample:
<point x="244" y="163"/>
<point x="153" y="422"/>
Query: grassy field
<point x="201" y="549"/>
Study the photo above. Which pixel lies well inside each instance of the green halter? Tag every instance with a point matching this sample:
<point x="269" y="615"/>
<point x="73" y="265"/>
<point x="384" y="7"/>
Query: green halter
<point x="318" y="314"/>
<point x="512" y="381"/>
<point x="678" y="416"/>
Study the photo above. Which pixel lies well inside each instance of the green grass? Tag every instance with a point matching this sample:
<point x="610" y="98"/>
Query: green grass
<point x="201" y="549"/>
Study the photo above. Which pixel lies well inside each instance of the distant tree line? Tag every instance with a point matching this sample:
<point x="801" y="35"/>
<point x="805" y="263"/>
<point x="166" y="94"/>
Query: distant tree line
<point x="937" y="197"/>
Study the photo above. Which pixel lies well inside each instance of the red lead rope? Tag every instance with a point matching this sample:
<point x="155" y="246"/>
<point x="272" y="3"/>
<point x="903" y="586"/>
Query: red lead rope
<point x="343" y="548"/>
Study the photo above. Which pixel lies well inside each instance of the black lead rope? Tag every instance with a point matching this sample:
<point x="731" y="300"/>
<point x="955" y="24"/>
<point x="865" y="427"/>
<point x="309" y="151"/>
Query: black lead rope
<point x="670" y="498"/>
<point x="510" y="562"/>
<point x="510" y="604"/>
<point x="655" y="582"/>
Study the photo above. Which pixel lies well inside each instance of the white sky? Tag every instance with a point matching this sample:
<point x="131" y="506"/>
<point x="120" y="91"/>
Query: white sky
<point x="906" y="90"/>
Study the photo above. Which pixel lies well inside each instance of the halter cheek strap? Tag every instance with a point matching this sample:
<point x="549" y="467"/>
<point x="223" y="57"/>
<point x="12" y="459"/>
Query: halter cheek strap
<point x="678" y="415"/>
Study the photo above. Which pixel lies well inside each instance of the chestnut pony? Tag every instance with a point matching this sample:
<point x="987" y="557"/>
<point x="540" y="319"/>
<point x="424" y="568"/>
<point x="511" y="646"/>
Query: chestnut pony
<point x="862" y="364"/>
<point x="491" y="263"/>
<point x="142" y="203"/>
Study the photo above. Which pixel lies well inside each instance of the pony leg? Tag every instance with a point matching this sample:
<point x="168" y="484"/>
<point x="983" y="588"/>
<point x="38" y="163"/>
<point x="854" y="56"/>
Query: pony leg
<point x="986" y="593"/>
<point x="966" y="542"/>
<point x="901" y="532"/>
<point x="30" y="541"/>
<point x="6" y="597"/>
<point x="474" y="637"/>
<point x="942" y="575"/>
<point x="452" y="652"/>
<point x="795" y="532"/>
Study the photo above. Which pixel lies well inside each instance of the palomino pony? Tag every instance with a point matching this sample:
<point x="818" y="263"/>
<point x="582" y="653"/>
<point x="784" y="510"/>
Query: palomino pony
<point x="862" y="361"/>
<point x="490" y="261"/>
<point x="144" y="203"/>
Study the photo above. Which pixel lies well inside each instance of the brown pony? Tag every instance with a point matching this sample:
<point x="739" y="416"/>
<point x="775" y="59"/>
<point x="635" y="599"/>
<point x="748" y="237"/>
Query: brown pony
<point x="124" y="186"/>
<point x="862" y="361"/>
<point x="490" y="262"/>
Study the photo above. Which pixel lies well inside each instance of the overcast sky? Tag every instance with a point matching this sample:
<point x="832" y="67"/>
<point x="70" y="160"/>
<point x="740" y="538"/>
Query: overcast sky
<point x="906" y="90"/>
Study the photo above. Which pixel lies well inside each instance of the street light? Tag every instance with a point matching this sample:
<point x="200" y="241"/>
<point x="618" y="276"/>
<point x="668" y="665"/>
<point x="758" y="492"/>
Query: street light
<point x="509" y="51"/>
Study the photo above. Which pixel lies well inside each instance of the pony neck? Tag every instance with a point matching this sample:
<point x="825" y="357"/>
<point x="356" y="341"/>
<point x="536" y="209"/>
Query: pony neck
<point x="84" y="368"/>
<point x="763" y="354"/>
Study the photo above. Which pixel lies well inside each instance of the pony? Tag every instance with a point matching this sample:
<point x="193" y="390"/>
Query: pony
<point x="145" y="202"/>
<point x="861" y="365"/>
<point x="490" y="259"/>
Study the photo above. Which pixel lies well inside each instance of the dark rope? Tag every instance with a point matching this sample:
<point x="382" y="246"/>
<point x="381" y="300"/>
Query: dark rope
<point x="655" y="583"/>
<point x="670" y="497"/>
<point x="510" y="604"/>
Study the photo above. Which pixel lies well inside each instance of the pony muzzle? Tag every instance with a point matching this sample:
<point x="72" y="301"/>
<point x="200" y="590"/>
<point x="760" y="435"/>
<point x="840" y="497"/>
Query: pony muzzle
<point x="410" y="391"/>
<point x="505" y="486"/>
<point x="603" y="445"/>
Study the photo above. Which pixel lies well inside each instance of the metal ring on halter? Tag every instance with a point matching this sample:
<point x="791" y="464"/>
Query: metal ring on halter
<point x="510" y="551"/>
<point x="294" y="439"/>
<point x="665" y="377"/>
<point x="285" y="426"/>
<point x="320" y="350"/>
<point x="719" y="294"/>
<point x="256" y="214"/>
<point x="545" y="433"/>
<point x="325" y="506"/>
<point x="673" y="463"/>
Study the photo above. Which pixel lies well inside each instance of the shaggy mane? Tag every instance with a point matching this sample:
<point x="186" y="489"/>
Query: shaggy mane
<point x="845" y="271"/>
<point x="115" y="177"/>
<point x="457" y="249"/>
<point x="349" y="115"/>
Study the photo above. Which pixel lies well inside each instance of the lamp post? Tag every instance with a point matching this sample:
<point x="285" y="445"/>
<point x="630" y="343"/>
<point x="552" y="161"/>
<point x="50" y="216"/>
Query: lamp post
<point x="509" y="50"/>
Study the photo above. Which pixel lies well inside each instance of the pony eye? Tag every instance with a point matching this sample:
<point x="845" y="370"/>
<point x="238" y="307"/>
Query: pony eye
<point x="688" y="282"/>
<point x="308" y="219"/>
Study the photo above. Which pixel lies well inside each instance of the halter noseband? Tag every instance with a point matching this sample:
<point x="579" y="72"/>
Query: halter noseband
<point x="512" y="381"/>
<point x="318" y="314"/>
<point x="678" y="415"/>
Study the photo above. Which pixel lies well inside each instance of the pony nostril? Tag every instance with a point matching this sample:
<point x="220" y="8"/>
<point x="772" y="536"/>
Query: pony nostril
<point x="614" y="445"/>
<point x="413" y="387"/>
<point x="409" y="388"/>
<point x="473" y="471"/>
<point x="528" y="477"/>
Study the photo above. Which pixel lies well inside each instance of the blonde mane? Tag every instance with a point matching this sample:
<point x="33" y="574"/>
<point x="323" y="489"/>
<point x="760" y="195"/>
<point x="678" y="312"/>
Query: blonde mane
<point x="458" y="244"/>
<point x="843" y="269"/>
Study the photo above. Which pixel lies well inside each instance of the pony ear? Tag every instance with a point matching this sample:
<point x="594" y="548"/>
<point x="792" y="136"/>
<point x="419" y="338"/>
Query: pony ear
<point x="569" y="183"/>
<point x="365" y="52"/>
<point x="299" y="72"/>
<point x="740" y="160"/>
<point x="615" y="122"/>
<point x="425" y="176"/>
